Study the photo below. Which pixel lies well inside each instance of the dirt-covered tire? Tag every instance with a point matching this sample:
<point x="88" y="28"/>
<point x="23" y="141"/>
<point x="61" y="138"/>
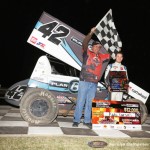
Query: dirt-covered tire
<point x="143" y="109"/>
<point x="38" y="106"/>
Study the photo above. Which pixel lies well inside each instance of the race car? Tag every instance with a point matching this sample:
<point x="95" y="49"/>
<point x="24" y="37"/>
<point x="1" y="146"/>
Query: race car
<point x="48" y="93"/>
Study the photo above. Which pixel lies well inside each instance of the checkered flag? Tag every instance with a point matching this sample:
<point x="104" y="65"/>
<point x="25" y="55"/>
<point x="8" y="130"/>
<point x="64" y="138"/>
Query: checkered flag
<point x="107" y="34"/>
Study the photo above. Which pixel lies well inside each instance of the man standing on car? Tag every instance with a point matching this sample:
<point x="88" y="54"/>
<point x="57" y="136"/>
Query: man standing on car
<point x="89" y="77"/>
<point x="116" y="66"/>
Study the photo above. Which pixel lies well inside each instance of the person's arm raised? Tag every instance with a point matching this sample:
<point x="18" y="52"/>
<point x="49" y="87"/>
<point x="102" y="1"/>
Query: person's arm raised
<point x="87" y="39"/>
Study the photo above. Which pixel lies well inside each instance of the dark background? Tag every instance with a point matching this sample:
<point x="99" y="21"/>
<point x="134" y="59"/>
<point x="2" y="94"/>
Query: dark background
<point x="18" y="18"/>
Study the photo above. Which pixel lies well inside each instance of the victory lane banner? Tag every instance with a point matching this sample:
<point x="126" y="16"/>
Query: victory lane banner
<point x="107" y="114"/>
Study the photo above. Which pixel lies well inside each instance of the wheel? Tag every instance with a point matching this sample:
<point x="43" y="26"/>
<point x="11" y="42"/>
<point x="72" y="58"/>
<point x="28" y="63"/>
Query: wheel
<point x="143" y="109"/>
<point x="38" y="106"/>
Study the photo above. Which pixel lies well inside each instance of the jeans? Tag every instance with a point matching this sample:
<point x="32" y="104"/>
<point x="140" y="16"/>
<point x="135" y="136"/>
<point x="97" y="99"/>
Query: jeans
<point x="86" y="94"/>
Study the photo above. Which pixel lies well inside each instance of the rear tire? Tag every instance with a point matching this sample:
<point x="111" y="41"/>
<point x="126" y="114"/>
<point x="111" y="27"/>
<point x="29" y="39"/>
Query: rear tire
<point x="38" y="106"/>
<point x="143" y="109"/>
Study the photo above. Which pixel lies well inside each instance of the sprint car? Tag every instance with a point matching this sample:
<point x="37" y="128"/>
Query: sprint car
<point x="48" y="93"/>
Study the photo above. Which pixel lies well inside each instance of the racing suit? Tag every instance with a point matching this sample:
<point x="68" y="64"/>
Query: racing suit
<point x="116" y="96"/>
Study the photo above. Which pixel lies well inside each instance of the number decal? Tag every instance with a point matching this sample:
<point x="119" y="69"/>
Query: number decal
<point x="16" y="93"/>
<point x="54" y="32"/>
<point x="46" y="29"/>
<point x="55" y="38"/>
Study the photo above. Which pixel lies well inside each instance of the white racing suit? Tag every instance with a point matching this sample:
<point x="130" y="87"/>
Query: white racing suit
<point x="116" y="96"/>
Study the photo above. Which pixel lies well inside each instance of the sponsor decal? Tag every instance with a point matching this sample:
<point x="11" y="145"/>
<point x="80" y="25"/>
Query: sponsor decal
<point x="115" y="67"/>
<point x="77" y="41"/>
<point x="105" y="126"/>
<point x="35" y="41"/>
<point x="138" y="93"/>
<point x="119" y="127"/>
<point x="58" y="84"/>
<point x="112" y="127"/>
<point x="73" y="86"/>
<point x="63" y="99"/>
<point x="121" y="68"/>
<point x="40" y="44"/>
<point x="38" y="78"/>
<point x="102" y="104"/>
<point x="130" y="105"/>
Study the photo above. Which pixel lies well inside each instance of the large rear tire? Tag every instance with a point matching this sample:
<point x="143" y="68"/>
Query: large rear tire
<point x="38" y="106"/>
<point x="143" y="109"/>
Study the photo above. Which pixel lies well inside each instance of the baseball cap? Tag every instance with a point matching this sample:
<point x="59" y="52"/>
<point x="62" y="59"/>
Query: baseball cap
<point x="95" y="43"/>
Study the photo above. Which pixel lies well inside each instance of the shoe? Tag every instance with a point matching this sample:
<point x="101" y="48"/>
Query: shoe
<point x="88" y="125"/>
<point x="75" y="124"/>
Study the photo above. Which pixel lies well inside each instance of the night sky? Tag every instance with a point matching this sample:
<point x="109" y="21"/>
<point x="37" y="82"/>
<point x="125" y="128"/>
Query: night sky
<point x="131" y="17"/>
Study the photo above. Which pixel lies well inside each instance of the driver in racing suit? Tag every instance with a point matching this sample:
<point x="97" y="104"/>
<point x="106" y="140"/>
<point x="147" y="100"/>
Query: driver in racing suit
<point x="116" y="66"/>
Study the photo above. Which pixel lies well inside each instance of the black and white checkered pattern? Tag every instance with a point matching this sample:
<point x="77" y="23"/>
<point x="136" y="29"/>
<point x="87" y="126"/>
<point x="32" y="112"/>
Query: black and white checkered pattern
<point x="107" y="34"/>
<point x="11" y="123"/>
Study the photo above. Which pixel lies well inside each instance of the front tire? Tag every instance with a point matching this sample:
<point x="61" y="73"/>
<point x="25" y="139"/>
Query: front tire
<point x="38" y="106"/>
<point x="143" y="109"/>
